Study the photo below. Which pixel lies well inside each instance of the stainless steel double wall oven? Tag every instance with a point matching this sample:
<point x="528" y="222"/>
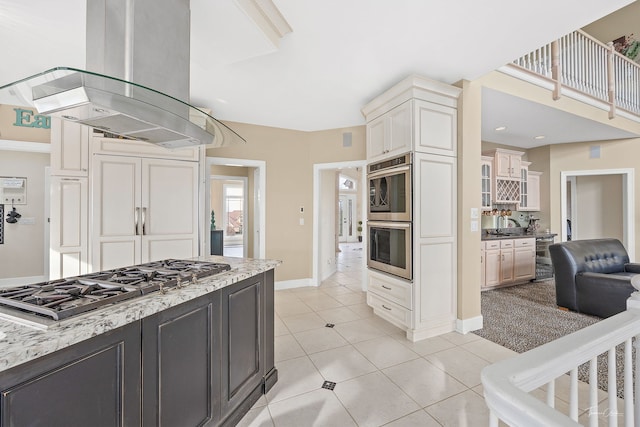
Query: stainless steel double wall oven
<point x="390" y="216"/>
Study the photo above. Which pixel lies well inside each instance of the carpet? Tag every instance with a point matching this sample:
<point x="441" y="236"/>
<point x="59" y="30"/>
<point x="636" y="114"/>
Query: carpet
<point x="525" y="316"/>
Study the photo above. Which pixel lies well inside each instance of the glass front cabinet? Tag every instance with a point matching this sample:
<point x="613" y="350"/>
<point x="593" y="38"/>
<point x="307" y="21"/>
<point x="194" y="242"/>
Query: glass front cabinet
<point x="486" y="165"/>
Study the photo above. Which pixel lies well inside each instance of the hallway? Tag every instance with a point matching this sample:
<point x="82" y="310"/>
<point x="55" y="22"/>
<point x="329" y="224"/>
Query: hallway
<point x="380" y="377"/>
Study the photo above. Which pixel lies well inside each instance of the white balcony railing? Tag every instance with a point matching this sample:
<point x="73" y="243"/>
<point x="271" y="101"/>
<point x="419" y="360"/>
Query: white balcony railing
<point x="590" y="67"/>
<point x="511" y="386"/>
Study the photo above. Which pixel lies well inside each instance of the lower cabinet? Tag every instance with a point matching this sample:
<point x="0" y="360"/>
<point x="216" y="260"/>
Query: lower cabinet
<point x="507" y="261"/>
<point x="491" y="264"/>
<point x="202" y="362"/>
<point x="181" y="364"/>
<point x="93" y="383"/>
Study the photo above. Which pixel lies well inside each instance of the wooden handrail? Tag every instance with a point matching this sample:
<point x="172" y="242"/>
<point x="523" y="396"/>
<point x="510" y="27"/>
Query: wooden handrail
<point x="584" y="64"/>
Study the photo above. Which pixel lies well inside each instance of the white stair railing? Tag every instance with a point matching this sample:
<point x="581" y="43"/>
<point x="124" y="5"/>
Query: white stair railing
<point x="512" y="386"/>
<point x="580" y="62"/>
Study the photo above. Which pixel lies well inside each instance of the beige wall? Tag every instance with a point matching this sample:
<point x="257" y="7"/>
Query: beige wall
<point x="469" y="151"/>
<point x="290" y="156"/>
<point x="620" y="154"/>
<point x="22" y="254"/>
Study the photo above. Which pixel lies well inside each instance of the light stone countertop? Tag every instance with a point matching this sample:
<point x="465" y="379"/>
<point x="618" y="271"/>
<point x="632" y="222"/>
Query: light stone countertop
<point x="20" y="343"/>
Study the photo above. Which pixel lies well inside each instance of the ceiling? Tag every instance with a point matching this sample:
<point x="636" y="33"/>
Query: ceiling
<point x="339" y="55"/>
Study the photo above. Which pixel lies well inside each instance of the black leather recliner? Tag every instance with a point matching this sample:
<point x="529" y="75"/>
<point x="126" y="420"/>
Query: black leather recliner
<point x="593" y="276"/>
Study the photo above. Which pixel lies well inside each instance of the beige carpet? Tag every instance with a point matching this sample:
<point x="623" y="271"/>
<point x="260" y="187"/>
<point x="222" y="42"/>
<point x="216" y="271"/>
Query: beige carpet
<point x="525" y="316"/>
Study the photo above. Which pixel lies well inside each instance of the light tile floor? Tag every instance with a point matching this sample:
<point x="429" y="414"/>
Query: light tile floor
<point x="381" y="377"/>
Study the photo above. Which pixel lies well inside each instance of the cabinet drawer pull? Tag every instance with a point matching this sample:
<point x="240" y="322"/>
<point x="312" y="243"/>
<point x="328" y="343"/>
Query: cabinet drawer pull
<point x="386" y="287"/>
<point x="385" y="307"/>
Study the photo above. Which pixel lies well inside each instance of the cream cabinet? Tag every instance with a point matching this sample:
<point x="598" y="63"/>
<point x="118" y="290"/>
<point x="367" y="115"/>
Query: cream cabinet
<point x="507" y="261"/>
<point x="391" y="133"/>
<point x="486" y="178"/>
<point x="530" y="191"/>
<point x="390" y="298"/>
<point x="143" y="210"/>
<point x="524" y="259"/>
<point x="507" y="163"/>
<point x="68" y="255"/>
<point x="435" y="128"/>
<point x="491" y="263"/>
<point x="419" y="115"/>
<point x="69" y="148"/>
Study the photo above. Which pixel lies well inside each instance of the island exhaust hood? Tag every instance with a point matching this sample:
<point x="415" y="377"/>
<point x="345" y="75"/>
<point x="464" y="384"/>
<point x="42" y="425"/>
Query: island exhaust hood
<point x="129" y="41"/>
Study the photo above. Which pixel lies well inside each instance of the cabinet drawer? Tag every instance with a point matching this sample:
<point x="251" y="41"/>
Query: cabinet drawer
<point x="525" y="243"/>
<point x="389" y="311"/>
<point x="494" y="244"/>
<point x="506" y="244"/>
<point x="396" y="291"/>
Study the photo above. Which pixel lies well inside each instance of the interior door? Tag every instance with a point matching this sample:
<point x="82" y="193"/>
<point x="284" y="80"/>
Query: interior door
<point x="116" y="189"/>
<point x="169" y="209"/>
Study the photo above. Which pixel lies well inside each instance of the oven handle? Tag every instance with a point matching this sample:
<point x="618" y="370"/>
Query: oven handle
<point x="389" y="224"/>
<point x="387" y="172"/>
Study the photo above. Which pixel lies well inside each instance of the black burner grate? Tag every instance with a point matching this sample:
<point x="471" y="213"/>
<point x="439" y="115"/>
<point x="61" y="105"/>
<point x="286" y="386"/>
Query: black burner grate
<point x="64" y="298"/>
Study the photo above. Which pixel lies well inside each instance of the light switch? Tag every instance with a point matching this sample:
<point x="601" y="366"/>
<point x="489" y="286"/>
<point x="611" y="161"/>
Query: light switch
<point x="474" y="225"/>
<point x="474" y="212"/>
<point x="301" y="221"/>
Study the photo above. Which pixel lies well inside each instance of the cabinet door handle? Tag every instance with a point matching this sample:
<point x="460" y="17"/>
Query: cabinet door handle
<point x="136" y="226"/>
<point x="385" y="307"/>
<point x="144" y="221"/>
<point x="386" y="287"/>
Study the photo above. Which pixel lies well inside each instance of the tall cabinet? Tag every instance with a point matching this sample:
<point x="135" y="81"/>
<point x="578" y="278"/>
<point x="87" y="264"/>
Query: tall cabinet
<point x="117" y="203"/>
<point x="425" y="306"/>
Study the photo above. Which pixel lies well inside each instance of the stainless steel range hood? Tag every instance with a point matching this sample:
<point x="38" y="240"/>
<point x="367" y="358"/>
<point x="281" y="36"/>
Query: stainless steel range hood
<point x="118" y="107"/>
<point x="137" y="53"/>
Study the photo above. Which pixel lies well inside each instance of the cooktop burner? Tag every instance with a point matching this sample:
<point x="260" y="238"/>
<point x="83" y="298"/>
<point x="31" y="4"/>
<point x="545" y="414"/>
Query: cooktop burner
<point x="60" y="299"/>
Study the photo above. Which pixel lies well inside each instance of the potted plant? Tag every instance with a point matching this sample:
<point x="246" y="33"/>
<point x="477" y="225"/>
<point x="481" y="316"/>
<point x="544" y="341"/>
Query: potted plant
<point x="213" y="220"/>
<point x="359" y="231"/>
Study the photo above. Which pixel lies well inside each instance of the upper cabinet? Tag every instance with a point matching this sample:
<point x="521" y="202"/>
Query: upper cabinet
<point x="507" y="163"/>
<point x="69" y="148"/>
<point x="530" y="194"/>
<point x="390" y="134"/>
<point x="435" y="128"/>
<point x="506" y="179"/>
<point x="486" y="164"/>
<point x="419" y="119"/>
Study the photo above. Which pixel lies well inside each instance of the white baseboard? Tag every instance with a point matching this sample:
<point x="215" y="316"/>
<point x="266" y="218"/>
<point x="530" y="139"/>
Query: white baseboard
<point x="18" y="281"/>
<point x="290" y="284"/>
<point x="467" y="325"/>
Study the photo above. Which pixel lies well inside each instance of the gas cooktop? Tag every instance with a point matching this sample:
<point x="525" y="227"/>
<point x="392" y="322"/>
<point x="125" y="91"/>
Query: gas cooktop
<point x="63" y="298"/>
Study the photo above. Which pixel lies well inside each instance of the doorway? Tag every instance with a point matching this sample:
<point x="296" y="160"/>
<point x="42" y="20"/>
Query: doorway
<point x="240" y="211"/>
<point x="598" y="203"/>
<point x="230" y="214"/>
<point x="327" y="190"/>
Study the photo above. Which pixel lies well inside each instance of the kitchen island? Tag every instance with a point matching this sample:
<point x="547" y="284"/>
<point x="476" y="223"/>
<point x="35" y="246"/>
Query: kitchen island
<point x="201" y="354"/>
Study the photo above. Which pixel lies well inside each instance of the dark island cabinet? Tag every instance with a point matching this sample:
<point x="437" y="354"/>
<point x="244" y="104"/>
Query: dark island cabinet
<point x="204" y="362"/>
<point x="207" y="361"/>
<point x="181" y="364"/>
<point x="93" y="383"/>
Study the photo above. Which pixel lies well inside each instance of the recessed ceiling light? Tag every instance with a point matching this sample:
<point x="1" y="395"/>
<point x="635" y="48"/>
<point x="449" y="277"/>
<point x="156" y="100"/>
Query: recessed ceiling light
<point x="539" y="137"/>
<point x="501" y="128"/>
